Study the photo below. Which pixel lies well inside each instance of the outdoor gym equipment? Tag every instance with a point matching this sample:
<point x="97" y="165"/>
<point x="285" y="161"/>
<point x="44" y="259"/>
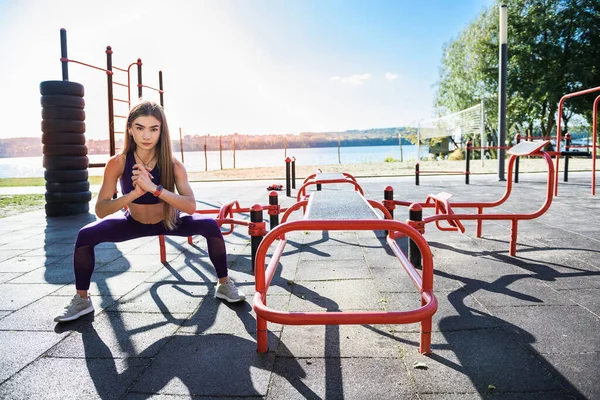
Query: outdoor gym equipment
<point x="321" y="178"/>
<point x="594" y="134"/>
<point x="343" y="210"/>
<point x="226" y="216"/>
<point x="444" y="209"/>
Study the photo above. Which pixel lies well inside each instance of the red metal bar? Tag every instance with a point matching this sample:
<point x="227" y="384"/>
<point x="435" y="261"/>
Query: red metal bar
<point x="558" y="127"/>
<point x="423" y="282"/>
<point x="381" y="207"/>
<point x="594" y="143"/>
<point x="511" y="217"/>
<point x="302" y="190"/>
<point x="150" y="87"/>
<point x="108" y="72"/>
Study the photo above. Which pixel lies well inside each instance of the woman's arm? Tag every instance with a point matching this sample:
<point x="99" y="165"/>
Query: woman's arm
<point x="105" y="204"/>
<point x="184" y="198"/>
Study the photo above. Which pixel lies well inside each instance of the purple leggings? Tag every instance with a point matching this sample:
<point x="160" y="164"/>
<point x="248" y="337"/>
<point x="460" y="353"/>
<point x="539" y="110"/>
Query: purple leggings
<point x="123" y="227"/>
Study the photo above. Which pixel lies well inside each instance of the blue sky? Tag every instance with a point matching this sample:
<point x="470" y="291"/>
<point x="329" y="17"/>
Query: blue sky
<point x="251" y="67"/>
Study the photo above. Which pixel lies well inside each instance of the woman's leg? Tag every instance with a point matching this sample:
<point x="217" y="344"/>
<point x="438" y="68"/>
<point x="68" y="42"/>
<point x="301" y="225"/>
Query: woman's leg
<point x="196" y="224"/>
<point x="112" y="229"/>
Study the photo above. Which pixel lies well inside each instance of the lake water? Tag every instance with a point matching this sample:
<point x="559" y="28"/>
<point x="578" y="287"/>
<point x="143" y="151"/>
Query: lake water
<point x="25" y="167"/>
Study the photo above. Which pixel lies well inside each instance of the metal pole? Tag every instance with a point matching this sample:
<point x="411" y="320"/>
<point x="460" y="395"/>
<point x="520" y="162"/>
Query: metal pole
<point x="181" y="144"/>
<point x="205" y="154"/>
<point x="111" y="110"/>
<point x="288" y="182"/>
<point x="160" y="86"/>
<point x="63" y="54"/>
<point x="256" y="216"/>
<point x="517" y="161"/>
<point x="468" y="159"/>
<point x="415" y="213"/>
<point x="567" y="146"/>
<point x="273" y="217"/>
<point x="482" y="133"/>
<point x="417" y="174"/>
<point x="502" y="91"/>
<point x="139" y="68"/>
<point x="388" y="200"/>
<point x="400" y="144"/>
<point x="419" y="141"/>
<point x="293" y="172"/>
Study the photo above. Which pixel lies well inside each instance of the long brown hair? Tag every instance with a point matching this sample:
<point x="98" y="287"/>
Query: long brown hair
<point x="164" y="152"/>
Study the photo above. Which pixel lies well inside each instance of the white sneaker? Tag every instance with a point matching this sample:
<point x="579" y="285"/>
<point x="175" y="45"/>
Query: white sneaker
<point x="228" y="291"/>
<point x="78" y="307"/>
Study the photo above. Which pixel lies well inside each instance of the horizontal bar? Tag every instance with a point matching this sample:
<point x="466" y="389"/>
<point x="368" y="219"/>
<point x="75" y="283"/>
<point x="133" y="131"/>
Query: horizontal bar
<point x="97" y="165"/>
<point x="346" y="317"/>
<point x="87" y="65"/>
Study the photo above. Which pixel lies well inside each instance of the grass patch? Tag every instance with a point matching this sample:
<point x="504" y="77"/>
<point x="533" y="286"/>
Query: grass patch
<point x="18" y="182"/>
<point x="20" y="203"/>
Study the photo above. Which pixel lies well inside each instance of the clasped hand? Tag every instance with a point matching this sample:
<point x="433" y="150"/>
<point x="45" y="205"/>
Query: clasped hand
<point x="142" y="179"/>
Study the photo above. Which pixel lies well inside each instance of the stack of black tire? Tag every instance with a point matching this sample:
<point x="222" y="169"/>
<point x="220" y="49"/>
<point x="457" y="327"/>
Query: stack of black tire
<point x="65" y="153"/>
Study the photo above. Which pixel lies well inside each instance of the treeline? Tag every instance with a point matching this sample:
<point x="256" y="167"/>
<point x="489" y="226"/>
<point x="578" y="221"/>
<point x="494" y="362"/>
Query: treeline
<point x="32" y="147"/>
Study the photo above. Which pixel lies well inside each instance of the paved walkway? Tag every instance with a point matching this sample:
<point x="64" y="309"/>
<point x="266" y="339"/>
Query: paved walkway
<point x="525" y="327"/>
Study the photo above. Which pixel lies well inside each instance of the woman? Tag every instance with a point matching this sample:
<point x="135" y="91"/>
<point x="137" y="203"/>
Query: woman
<point x="148" y="176"/>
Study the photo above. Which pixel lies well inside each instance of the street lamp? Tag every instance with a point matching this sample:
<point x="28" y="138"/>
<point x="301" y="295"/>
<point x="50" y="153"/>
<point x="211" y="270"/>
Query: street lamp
<point x="503" y="54"/>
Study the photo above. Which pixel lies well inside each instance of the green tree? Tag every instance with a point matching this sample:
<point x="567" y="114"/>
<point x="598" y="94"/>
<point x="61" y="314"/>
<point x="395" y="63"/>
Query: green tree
<point x="553" y="48"/>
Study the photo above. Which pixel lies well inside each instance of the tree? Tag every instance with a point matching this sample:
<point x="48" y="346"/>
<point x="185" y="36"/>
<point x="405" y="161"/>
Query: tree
<point x="553" y="48"/>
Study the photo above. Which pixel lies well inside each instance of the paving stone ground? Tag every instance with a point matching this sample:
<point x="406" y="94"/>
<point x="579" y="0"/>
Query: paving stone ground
<point x="522" y="327"/>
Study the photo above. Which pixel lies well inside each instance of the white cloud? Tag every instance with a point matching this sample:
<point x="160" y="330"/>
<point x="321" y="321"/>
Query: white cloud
<point x="356" y="79"/>
<point x="390" y="76"/>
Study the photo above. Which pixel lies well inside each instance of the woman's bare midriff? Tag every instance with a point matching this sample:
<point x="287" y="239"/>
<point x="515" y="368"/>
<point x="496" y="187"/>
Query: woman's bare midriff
<point x="146" y="213"/>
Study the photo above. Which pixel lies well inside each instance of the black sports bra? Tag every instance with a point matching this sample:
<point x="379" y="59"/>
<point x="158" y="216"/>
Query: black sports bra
<point x="127" y="184"/>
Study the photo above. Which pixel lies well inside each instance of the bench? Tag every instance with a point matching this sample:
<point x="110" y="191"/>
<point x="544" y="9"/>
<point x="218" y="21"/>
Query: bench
<point x="338" y="205"/>
<point x="343" y="210"/>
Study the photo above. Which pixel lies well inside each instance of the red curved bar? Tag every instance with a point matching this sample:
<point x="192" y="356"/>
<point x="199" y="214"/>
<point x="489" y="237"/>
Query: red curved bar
<point x="514" y="218"/>
<point x="594" y="143"/>
<point x="423" y="281"/>
<point x="108" y="72"/>
<point x="302" y="190"/>
<point x="558" y="127"/>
